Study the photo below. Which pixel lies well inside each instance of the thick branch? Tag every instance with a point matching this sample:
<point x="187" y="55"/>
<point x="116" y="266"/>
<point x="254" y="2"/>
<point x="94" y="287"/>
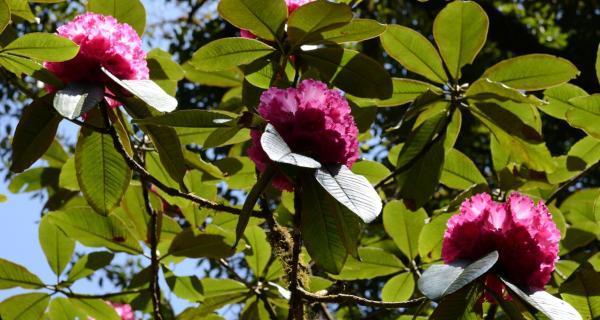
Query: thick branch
<point x="296" y="305"/>
<point x="348" y="298"/>
<point x="154" y="261"/>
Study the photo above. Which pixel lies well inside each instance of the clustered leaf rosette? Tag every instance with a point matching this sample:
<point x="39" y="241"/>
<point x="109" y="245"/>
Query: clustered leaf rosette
<point x="313" y="120"/>
<point x="104" y="43"/>
<point x="292" y="5"/>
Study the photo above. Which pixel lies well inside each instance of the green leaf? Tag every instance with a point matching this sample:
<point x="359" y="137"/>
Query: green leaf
<point x="582" y="155"/>
<point x="329" y="229"/>
<point x="425" y="174"/>
<point x="260" y="253"/>
<point x="165" y="140"/>
<point x="240" y="172"/>
<point x="102" y="173"/>
<point x="4" y="15"/>
<point x="582" y="291"/>
<point x="420" y="137"/>
<point x="21" y="9"/>
<point x="221" y="292"/>
<point x="404" y="226"/>
<point x="228" y="53"/>
<point x="373" y="263"/>
<point x="131" y="12"/>
<point x="486" y="89"/>
<point x="351" y="71"/>
<point x="398" y="288"/>
<point x="88" y="264"/>
<point x="459" y="171"/>
<point x="163" y="70"/>
<point x="461" y="305"/>
<point x="460" y="31"/>
<point x="404" y="91"/>
<point x="55" y="155"/>
<point x="549" y="305"/>
<point x="278" y="150"/>
<point x="19" y="66"/>
<point x="34" y="134"/>
<point x="43" y="47"/>
<point x="266" y="19"/>
<point x="96" y="309"/>
<point x="532" y="72"/>
<point x="373" y="171"/>
<point x="585" y="114"/>
<point x="440" y="280"/>
<point x="431" y="238"/>
<point x="193" y="118"/>
<point x="76" y="99"/>
<point x="68" y="176"/>
<point x="224" y="78"/>
<point x="30" y="306"/>
<point x="598" y="64"/>
<point x="558" y="100"/>
<point x="308" y="21"/>
<point x="203" y="245"/>
<point x="351" y="190"/>
<point x="57" y="247"/>
<point x="414" y="52"/>
<point x="93" y="230"/>
<point x="188" y="288"/>
<point x="13" y="275"/>
<point x="148" y="91"/>
<point x="34" y="179"/>
<point x="356" y="30"/>
<point x="63" y="309"/>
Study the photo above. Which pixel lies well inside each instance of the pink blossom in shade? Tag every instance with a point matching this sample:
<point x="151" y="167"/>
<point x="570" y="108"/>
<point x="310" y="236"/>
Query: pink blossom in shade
<point x="313" y="120"/>
<point x="292" y="5"/>
<point x="522" y="232"/>
<point x="103" y="42"/>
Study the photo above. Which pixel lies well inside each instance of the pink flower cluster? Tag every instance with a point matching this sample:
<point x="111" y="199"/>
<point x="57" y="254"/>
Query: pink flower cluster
<point x="522" y="232"/>
<point x="104" y="43"/>
<point x="313" y="120"/>
<point x="292" y="5"/>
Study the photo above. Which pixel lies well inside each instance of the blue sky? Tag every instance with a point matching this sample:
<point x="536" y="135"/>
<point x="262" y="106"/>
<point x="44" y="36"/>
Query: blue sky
<point x="20" y="214"/>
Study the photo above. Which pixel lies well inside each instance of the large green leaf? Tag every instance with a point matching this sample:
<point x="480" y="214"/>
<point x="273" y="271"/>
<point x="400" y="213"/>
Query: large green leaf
<point x="193" y="118"/>
<point x="404" y="226"/>
<point x="431" y="238"/>
<point x="131" y="12"/>
<point x="421" y="181"/>
<point x="63" y="309"/>
<point x="582" y="291"/>
<point x="4" y="15"/>
<point x="582" y="155"/>
<point x="585" y="114"/>
<point x="77" y="99"/>
<point x="374" y="262"/>
<point x="88" y="264"/>
<point x="164" y="71"/>
<point x="20" y="65"/>
<point x="13" y="275"/>
<point x="485" y="89"/>
<point x="558" y="100"/>
<point x="420" y="137"/>
<point x="404" y="91"/>
<point x="440" y="280"/>
<point x="102" y="173"/>
<point x="260" y="253"/>
<point x="351" y="190"/>
<point x="459" y="171"/>
<point x="93" y="230"/>
<point x="356" y="30"/>
<point x="228" y="53"/>
<point x="224" y="78"/>
<point x="57" y="247"/>
<point x="29" y="306"/>
<point x="21" y="9"/>
<point x="308" y="21"/>
<point x="460" y="31"/>
<point x="329" y="229"/>
<point x="34" y="134"/>
<point x="414" y="52"/>
<point x="462" y="305"/>
<point x="278" y="150"/>
<point x="351" y="71"/>
<point x="549" y="305"/>
<point x="372" y="170"/>
<point x="532" y="72"/>
<point x="398" y="288"/>
<point x="266" y="19"/>
<point x="204" y="245"/>
<point x="220" y="292"/>
<point x="188" y="288"/>
<point x="43" y="47"/>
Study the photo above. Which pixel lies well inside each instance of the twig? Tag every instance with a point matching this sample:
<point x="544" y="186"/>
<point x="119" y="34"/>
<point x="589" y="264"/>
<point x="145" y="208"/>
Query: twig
<point x="569" y="183"/>
<point x="154" y="261"/>
<point x="97" y="296"/>
<point x="296" y="305"/>
<point x="346" y="298"/>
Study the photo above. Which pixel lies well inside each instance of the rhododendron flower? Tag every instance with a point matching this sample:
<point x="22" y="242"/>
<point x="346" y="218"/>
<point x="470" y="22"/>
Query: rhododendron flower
<point x="292" y="5"/>
<point x="313" y="120"/>
<point x="522" y="232"/>
<point x="104" y="43"/>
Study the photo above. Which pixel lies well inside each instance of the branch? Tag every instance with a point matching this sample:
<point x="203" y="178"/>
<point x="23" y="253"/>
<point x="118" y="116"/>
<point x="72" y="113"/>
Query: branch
<point x="346" y="298"/>
<point x="296" y="305"/>
<point x="569" y="183"/>
<point x="97" y="296"/>
<point x="154" y="261"/>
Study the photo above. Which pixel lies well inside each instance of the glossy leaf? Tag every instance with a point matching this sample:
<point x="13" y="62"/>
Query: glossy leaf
<point x="224" y="78"/>
<point x="532" y="72"/>
<point x="57" y="247"/>
<point x="13" y="275"/>
<point x="353" y="191"/>
<point x="264" y="19"/>
<point x="309" y="20"/>
<point x="34" y="134"/>
<point x="414" y="52"/>
<point x="440" y="280"/>
<point x="278" y="150"/>
<point x="228" y="53"/>
<point x="585" y="114"/>
<point x="582" y="155"/>
<point x="131" y="12"/>
<point x="558" y="100"/>
<point x="356" y="30"/>
<point x="404" y="226"/>
<point x="460" y="31"/>
<point x="77" y="99"/>
<point x="42" y="47"/>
